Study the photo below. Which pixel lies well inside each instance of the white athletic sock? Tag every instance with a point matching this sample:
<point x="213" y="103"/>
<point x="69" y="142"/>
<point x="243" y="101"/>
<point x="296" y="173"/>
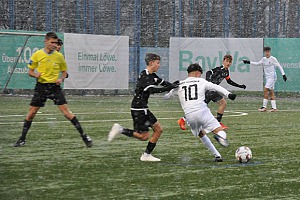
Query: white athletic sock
<point x="265" y="103"/>
<point x="222" y="134"/>
<point x="209" y="145"/>
<point x="273" y="103"/>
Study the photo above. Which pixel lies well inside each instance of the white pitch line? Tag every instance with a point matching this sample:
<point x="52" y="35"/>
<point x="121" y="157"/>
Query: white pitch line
<point x="236" y="114"/>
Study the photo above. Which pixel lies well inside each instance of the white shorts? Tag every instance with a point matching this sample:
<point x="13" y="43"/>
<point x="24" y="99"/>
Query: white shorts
<point x="202" y="120"/>
<point x="270" y="83"/>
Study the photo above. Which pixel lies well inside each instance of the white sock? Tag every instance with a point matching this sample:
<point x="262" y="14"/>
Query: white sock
<point x="273" y="103"/>
<point x="265" y="103"/>
<point x="222" y="134"/>
<point x="209" y="145"/>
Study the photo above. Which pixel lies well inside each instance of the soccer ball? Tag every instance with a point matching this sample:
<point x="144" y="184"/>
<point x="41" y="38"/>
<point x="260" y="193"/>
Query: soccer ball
<point x="243" y="154"/>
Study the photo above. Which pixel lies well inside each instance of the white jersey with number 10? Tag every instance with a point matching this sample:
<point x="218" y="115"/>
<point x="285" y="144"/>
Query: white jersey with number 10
<point x="191" y="93"/>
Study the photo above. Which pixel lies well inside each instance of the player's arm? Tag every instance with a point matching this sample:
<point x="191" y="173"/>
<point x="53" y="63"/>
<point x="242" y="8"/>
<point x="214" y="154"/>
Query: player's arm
<point x="221" y="90"/>
<point x="231" y="82"/>
<point x="253" y="63"/>
<point x="34" y="74"/>
<point x="154" y="89"/>
<point x="276" y="63"/>
<point x="170" y="94"/>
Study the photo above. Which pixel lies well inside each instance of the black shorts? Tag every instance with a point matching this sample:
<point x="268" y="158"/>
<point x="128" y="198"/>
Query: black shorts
<point x="44" y="91"/>
<point x="212" y="96"/>
<point x="142" y="120"/>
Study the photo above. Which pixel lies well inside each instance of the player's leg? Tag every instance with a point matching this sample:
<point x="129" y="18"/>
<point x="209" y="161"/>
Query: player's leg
<point x="38" y="100"/>
<point x="272" y="96"/>
<point x="73" y="119"/>
<point x="269" y="85"/>
<point x="60" y="100"/>
<point x="209" y="145"/>
<point x="26" y="126"/>
<point x="222" y="106"/>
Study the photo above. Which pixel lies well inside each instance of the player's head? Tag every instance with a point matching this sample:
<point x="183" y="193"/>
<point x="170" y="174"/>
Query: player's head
<point x="227" y="60"/>
<point x="267" y="51"/>
<point x="194" y="70"/>
<point x="51" y="41"/>
<point x="59" y="44"/>
<point x="153" y="62"/>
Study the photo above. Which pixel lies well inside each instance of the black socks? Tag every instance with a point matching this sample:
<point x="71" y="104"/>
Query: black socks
<point x="76" y="123"/>
<point x="150" y="147"/>
<point x="26" y="127"/>
<point x="219" y="117"/>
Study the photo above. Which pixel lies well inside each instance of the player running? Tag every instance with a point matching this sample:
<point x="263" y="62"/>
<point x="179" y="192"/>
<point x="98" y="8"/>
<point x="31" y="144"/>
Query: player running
<point x="192" y="93"/>
<point x="216" y="76"/>
<point x="142" y="117"/>
<point x="269" y="63"/>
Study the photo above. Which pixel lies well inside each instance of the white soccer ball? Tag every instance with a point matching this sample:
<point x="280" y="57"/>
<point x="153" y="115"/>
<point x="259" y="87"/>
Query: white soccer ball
<point x="243" y="154"/>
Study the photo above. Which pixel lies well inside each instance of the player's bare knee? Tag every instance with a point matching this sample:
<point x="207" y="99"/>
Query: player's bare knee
<point x="145" y="136"/>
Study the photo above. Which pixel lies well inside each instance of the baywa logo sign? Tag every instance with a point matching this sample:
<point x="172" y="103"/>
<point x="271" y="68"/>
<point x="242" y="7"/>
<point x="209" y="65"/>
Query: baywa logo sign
<point x="187" y="57"/>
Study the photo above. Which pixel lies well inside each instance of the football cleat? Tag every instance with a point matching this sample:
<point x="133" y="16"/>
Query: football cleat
<point x="223" y="142"/>
<point x="273" y="110"/>
<point x="19" y="143"/>
<point x="115" y="130"/>
<point x="149" y="157"/>
<point x="181" y="123"/>
<point x="218" y="159"/>
<point x="262" y="109"/>
<point x="87" y="140"/>
<point x="223" y="126"/>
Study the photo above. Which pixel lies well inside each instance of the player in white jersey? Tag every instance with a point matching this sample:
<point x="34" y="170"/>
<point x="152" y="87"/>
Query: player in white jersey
<point x="269" y="63"/>
<point x="191" y="93"/>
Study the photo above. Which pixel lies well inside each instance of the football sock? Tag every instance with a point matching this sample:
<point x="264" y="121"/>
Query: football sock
<point x="127" y="132"/>
<point x="222" y="134"/>
<point x="219" y="117"/>
<point x="77" y="125"/>
<point x="273" y="103"/>
<point x="26" y="127"/>
<point x="209" y="145"/>
<point x="265" y="103"/>
<point x="150" y="147"/>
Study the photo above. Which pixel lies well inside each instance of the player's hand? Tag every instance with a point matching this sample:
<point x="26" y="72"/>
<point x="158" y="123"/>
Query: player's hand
<point x="37" y="75"/>
<point x="284" y="78"/>
<point x="59" y="81"/>
<point x="246" y="61"/>
<point x="231" y="96"/>
<point x="243" y="86"/>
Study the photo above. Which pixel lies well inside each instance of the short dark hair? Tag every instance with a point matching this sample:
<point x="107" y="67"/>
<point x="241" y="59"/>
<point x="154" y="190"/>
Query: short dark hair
<point x="227" y="56"/>
<point x="51" y="35"/>
<point x="60" y="42"/>
<point x="194" y="67"/>
<point x="151" y="57"/>
<point x="267" y="48"/>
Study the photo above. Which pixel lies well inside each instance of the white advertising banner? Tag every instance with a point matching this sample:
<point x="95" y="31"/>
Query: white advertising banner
<point x="96" y="61"/>
<point x="209" y="53"/>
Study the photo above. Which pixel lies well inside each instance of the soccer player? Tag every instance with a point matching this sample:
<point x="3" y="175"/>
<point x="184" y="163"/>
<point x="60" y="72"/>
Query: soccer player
<point x="191" y="93"/>
<point x="45" y="66"/>
<point x="269" y="63"/>
<point x="142" y="117"/>
<point x="216" y="76"/>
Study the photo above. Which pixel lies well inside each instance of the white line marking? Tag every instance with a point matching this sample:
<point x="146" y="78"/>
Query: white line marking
<point x="236" y="114"/>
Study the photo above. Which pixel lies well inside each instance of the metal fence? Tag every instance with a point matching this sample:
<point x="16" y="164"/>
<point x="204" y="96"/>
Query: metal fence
<point x="152" y="22"/>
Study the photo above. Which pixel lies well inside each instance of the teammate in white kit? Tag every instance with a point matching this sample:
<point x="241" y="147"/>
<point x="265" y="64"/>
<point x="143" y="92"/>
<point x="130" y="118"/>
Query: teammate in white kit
<point x="269" y="63"/>
<point x="191" y="93"/>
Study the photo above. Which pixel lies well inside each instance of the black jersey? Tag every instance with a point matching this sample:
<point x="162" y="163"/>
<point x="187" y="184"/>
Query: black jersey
<point x="217" y="75"/>
<point x="145" y="83"/>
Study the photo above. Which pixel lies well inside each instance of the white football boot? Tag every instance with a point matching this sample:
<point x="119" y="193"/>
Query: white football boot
<point x="115" y="130"/>
<point x="149" y="157"/>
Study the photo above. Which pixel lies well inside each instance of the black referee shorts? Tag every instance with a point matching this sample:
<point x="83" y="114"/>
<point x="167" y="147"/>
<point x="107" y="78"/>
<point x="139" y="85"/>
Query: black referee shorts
<point x="44" y="91"/>
<point x="142" y="120"/>
<point x="212" y="96"/>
